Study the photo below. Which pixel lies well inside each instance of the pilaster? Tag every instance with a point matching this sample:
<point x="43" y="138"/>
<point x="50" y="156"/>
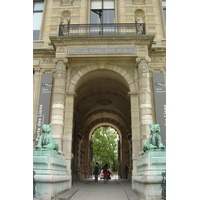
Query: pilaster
<point x="58" y="104"/>
<point x="145" y="105"/>
<point x="68" y="128"/>
<point x="135" y="129"/>
<point x="36" y="92"/>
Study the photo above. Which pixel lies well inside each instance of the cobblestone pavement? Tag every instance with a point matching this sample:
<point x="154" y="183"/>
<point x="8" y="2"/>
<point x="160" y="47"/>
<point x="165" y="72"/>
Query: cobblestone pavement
<point x="88" y="189"/>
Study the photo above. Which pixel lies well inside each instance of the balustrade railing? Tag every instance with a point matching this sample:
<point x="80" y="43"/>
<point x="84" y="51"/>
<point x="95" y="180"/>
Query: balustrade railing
<point x="102" y="29"/>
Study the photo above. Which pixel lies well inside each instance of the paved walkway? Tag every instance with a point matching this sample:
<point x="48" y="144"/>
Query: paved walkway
<point x="88" y="189"/>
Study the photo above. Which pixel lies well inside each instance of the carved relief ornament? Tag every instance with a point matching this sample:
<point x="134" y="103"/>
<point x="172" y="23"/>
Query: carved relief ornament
<point x="138" y="2"/>
<point x="47" y="60"/>
<point x="60" y="50"/>
<point x="142" y="48"/>
<point x="143" y="64"/>
<point x="61" y="65"/>
<point x="66" y="2"/>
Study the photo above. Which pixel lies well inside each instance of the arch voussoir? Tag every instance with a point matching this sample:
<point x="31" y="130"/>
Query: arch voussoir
<point x="114" y="68"/>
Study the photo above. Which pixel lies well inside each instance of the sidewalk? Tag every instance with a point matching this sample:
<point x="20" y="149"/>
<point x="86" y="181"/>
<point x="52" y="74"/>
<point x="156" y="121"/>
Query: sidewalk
<point x="88" y="189"/>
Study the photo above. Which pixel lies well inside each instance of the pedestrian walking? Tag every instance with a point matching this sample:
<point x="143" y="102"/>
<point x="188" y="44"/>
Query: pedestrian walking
<point x="105" y="171"/>
<point x="96" y="171"/>
<point x="109" y="173"/>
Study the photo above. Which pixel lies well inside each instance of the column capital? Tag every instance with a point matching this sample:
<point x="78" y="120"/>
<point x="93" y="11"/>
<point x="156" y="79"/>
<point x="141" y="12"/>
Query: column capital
<point x="61" y="66"/>
<point x="143" y="65"/>
<point x="146" y="59"/>
<point x="61" y="60"/>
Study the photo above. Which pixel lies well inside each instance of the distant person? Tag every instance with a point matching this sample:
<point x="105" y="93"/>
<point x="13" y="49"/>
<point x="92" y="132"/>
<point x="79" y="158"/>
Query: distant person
<point x="105" y="171"/>
<point x="109" y="173"/>
<point x="96" y="171"/>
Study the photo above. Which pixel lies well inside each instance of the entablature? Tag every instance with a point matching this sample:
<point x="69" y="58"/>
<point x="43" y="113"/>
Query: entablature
<point x="101" y="42"/>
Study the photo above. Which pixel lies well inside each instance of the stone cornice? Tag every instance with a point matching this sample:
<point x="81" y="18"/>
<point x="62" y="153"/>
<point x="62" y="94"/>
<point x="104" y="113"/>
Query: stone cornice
<point x="58" y="41"/>
<point x="158" y="49"/>
<point x="157" y="53"/>
<point x="43" y="51"/>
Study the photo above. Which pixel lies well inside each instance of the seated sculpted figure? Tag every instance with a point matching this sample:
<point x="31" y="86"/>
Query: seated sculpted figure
<point x="45" y="140"/>
<point x="154" y="138"/>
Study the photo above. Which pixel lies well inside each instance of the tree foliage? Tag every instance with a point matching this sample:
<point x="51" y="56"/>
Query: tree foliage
<point x="105" y="143"/>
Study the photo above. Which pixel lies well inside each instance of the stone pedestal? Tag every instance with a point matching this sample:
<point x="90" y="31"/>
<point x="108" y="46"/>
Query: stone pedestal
<point x="50" y="173"/>
<point x="148" y="178"/>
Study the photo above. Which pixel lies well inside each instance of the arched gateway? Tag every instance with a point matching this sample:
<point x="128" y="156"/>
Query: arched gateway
<point x="87" y="93"/>
<point x="97" y="63"/>
<point x="101" y="98"/>
<point x="91" y="90"/>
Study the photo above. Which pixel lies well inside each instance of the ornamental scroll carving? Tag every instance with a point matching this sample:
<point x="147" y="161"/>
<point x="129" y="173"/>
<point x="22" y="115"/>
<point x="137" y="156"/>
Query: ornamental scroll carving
<point x="61" y="67"/>
<point x="47" y="60"/>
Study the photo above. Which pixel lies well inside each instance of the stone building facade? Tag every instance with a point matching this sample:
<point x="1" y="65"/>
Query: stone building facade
<point x="101" y="55"/>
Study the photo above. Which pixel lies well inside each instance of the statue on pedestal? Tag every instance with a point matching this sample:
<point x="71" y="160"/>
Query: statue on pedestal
<point x="152" y="161"/>
<point x="45" y="141"/>
<point x="154" y="139"/>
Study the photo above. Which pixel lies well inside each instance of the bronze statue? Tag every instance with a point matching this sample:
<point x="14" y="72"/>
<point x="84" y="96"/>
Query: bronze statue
<point x="45" y="140"/>
<point x="154" y="139"/>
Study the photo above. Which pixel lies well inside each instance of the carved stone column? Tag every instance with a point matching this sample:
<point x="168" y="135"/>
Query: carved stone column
<point x="36" y="93"/>
<point x="144" y="90"/>
<point x="57" y="119"/>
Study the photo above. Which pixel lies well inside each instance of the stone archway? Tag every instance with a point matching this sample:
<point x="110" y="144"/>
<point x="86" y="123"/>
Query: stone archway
<point x="98" y="93"/>
<point x="120" y="146"/>
<point x="104" y="93"/>
<point x="128" y="75"/>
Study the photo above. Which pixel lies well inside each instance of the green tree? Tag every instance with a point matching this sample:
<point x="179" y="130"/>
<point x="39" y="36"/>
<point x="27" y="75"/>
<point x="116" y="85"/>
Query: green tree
<point x="105" y="141"/>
